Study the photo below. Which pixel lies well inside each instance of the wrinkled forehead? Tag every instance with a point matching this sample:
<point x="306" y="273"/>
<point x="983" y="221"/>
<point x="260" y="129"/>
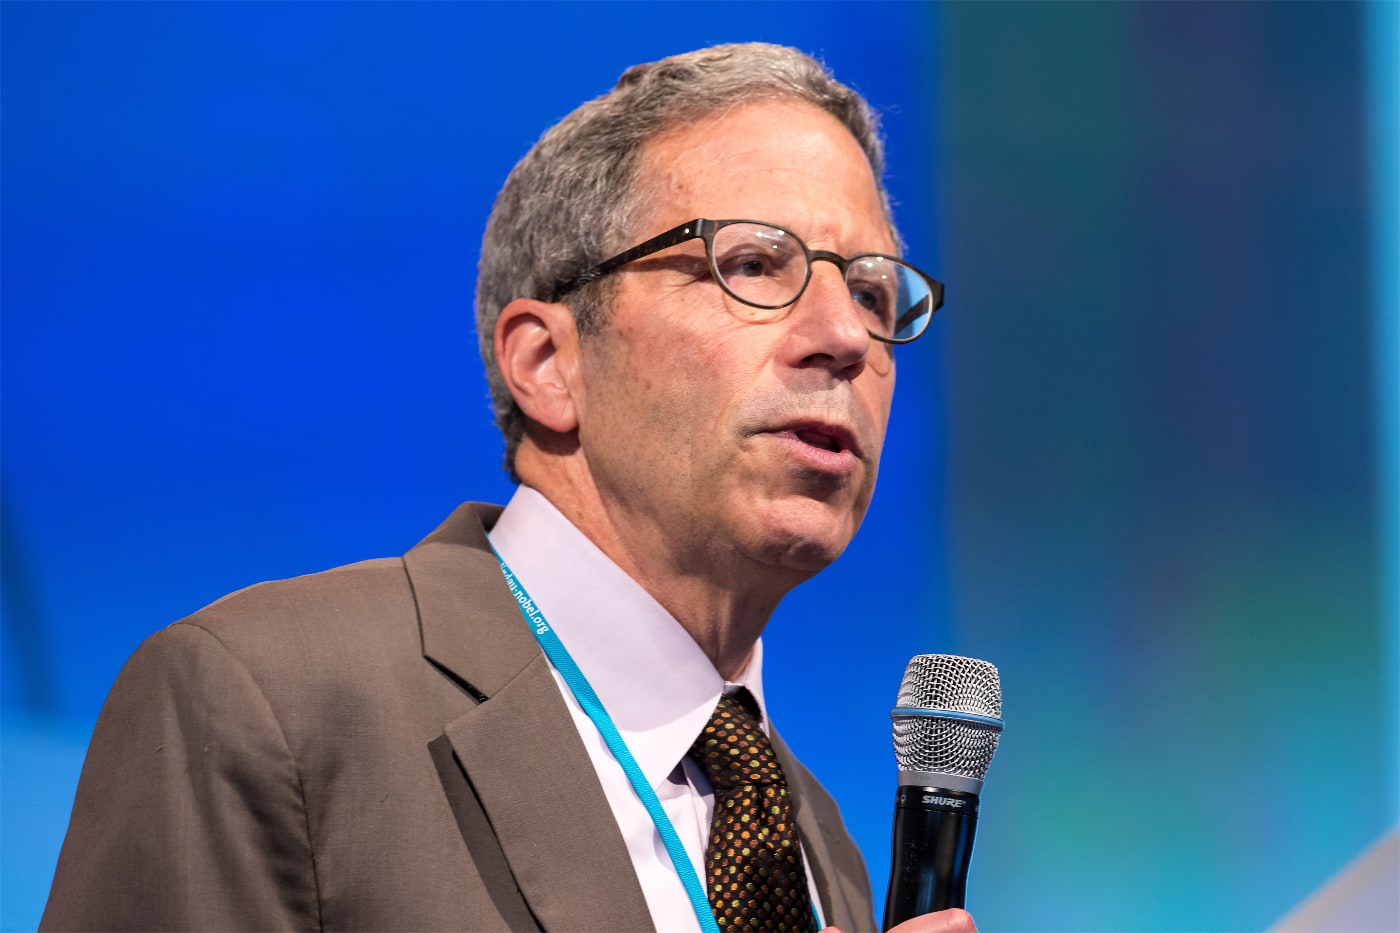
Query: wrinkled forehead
<point x="677" y="169"/>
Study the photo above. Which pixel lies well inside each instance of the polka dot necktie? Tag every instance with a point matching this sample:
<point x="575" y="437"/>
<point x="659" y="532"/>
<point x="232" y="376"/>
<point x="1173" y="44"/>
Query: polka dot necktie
<point x="754" y="869"/>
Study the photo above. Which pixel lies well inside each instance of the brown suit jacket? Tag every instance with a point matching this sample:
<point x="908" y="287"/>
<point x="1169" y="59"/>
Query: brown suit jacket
<point x="377" y="747"/>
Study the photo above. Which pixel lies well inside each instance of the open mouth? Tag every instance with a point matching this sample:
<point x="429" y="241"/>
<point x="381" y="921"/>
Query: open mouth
<point x="823" y="447"/>
<point x="818" y="438"/>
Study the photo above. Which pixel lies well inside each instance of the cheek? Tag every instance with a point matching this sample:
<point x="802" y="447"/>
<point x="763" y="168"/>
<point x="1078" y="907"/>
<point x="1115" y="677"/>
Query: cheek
<point x="676" y="378"/>
<point x="877" y="392"/>
<point x="880" y="361"/>
<point x="654" y="399"/>
<point x="728" y="374"/>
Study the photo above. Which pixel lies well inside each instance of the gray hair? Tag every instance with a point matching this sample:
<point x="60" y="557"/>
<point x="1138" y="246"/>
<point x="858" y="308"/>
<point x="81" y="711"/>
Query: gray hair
<point x="571" y="202"/>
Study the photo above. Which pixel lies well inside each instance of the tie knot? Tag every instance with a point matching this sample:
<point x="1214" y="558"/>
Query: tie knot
<point x="732" y="748"/>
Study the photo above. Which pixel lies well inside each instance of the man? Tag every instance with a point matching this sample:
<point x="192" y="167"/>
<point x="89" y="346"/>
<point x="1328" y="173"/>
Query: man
<point x="695" y="408"/>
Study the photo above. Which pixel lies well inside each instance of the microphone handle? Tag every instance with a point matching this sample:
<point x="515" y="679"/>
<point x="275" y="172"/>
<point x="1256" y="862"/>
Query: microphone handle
<point x="932" y="846"/>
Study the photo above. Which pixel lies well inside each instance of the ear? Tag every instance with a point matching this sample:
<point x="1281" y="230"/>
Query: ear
<point x="537" y="351"/>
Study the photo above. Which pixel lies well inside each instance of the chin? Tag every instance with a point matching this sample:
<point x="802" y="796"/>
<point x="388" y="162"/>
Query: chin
<point x="808" y="558"/>
<point x="805" y="539"/>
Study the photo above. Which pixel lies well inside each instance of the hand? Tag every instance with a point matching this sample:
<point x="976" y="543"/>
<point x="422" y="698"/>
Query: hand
<point x="943" y="921"/>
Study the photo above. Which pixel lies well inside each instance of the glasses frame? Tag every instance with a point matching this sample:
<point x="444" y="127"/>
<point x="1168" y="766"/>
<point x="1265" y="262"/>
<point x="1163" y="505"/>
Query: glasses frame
<point x="703" y="229"/>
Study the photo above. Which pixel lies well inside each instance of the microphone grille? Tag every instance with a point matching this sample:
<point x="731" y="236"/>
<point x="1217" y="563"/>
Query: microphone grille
<point x="939" y="745"/>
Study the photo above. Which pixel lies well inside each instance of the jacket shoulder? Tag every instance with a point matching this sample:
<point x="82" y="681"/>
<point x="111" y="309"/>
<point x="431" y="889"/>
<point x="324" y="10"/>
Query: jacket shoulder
<point x="334" y="598"/>
<point x="369" y="605"/>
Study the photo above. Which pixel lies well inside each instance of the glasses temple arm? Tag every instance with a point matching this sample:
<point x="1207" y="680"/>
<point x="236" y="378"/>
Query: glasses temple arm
<point x="679" y="234"/>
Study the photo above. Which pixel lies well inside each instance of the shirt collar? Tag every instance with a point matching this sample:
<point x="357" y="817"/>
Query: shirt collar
<point x="656" y="683"/>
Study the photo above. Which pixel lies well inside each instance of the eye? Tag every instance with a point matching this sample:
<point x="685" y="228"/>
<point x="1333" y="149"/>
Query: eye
<point x="874" y="296"/>
<point x="758" y="264"/>
<point x="865" y="298"/>
<point x="751" y="263"/>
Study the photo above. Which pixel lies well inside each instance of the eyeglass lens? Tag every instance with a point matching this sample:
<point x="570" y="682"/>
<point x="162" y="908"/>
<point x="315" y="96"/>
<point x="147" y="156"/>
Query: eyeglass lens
<point x="767" y="267"/>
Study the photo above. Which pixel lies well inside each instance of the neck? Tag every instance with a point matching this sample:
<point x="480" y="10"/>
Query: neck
<point x="720" y="597"/>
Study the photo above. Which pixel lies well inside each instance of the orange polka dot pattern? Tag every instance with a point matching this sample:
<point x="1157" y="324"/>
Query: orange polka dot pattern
<point x="754" y="869"/>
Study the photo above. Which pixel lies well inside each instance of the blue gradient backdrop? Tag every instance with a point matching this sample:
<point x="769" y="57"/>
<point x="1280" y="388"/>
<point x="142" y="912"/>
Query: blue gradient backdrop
<point x="1145" y="463"/>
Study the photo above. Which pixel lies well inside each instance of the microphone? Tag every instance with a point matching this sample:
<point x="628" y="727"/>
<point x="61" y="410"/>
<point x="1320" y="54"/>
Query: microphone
<point x="947" y="720"/>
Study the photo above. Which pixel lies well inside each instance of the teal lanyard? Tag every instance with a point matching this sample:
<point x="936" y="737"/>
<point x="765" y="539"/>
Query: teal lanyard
<point x="583" y="692"/>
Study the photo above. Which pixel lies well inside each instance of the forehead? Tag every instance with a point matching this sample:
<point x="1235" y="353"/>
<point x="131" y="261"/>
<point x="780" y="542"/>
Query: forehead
<point x="782" y="161"/>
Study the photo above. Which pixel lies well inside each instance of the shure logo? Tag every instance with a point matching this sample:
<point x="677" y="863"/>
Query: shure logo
<point x="944" y="801"/>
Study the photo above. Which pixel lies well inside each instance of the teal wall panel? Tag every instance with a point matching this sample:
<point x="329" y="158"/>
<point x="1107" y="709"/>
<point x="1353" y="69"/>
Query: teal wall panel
<point x="1163" y="455"/>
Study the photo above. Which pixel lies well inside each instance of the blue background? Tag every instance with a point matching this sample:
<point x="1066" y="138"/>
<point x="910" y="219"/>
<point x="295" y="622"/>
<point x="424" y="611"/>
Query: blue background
<point x="1145" y="462"/>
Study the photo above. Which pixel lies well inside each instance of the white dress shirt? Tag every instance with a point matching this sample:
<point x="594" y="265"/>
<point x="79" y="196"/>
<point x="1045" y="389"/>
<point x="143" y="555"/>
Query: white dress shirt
<point x="656" y="683"/>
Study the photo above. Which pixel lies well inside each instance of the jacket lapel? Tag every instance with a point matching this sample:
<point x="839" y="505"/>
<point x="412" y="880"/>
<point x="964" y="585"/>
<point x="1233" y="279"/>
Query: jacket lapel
<point x="837" y="868"/>
<point x="537" y="785"/>
<point x="518" y="747"/>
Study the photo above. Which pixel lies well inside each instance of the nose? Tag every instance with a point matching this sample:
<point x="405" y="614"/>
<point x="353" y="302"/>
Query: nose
<point x="826" y="327"/>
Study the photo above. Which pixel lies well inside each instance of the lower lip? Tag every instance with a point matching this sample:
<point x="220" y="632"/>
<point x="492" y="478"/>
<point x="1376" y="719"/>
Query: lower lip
<point x="817" y="458"/>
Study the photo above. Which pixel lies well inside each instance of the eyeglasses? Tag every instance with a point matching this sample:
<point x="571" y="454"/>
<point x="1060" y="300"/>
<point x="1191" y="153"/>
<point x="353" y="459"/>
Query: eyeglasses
<point x="767" y="268"/>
